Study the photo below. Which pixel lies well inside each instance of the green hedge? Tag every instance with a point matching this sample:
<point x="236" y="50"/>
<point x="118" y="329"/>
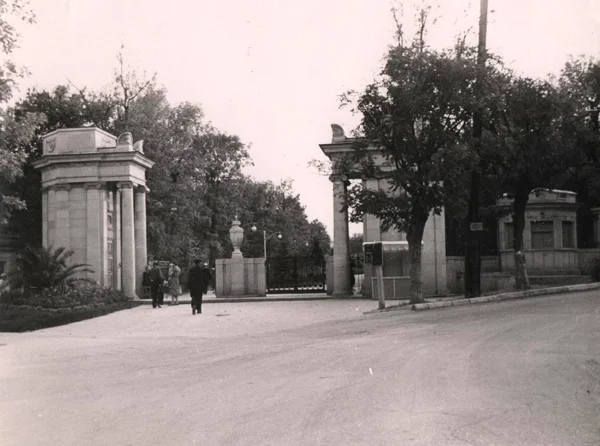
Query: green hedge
<point x="38" y="309"/>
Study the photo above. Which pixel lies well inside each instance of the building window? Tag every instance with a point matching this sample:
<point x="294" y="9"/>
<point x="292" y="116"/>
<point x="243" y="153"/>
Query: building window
<point x="509" y="234"/>
<point x="542" y="234"/>
<point x="568" y="239"/>
<point x="109" y="248"/>
<point x="109" y="219"/>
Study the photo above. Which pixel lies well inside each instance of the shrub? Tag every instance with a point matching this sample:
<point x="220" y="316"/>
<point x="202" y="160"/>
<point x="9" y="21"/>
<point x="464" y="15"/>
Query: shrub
<point x="593" y="269"/>
<point x="43" y="268"/>
<point x="77" y="295"/>
<point x="32" y="309"/>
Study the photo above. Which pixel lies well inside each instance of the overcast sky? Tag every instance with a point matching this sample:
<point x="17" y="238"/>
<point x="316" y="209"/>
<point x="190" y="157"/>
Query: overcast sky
<point x="271" y="71"/>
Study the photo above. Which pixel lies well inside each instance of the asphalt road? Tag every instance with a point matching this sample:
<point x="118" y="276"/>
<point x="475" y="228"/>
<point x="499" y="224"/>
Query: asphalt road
<point x="310" y="373"/>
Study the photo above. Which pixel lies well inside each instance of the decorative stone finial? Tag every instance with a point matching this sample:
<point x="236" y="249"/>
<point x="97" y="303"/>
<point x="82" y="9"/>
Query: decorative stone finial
<point x="125" y="142"/>
<point x="139" y="146"/>
<point x="338" y="133"/>
<point x="236" y="234"/>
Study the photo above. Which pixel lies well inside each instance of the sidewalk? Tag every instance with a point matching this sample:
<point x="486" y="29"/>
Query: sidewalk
<point x="211" y="298"/>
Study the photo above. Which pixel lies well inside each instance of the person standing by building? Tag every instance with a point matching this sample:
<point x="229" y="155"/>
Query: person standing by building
<point x="198" y="281"/>
<point x="156" y="281"/>
<point x="174" y="273"/>
<point x="146" y="283"/>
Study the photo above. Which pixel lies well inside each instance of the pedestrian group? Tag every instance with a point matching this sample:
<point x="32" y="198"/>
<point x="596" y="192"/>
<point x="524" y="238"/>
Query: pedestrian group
<point x="157" y="285"/>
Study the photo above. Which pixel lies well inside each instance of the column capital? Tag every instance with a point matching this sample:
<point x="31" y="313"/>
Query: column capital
<point x="60" y="186"/>
<point x="94" y="185"/>
<point x="141" y="189"/>
<point x="125" y="185"/>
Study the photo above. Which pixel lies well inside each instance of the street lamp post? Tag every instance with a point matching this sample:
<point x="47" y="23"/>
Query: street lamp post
<point x="265" y="238"/>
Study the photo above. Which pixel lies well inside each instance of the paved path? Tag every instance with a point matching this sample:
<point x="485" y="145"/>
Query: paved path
<point x="320" y="372"/>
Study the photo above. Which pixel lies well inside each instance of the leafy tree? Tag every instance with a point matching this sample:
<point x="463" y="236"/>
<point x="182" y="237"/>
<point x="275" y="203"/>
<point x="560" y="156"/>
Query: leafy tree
<point x="13" y="132"/>
<point x="580" y="82"/>
<point x="417" y="114"/>
<point x="197" y="184"/>
<point x="356" y="244"/>
<point x="530" y="145"/>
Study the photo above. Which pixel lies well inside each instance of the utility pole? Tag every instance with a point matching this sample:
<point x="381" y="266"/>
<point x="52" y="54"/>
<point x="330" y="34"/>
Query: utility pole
<point x="474" y="227"/>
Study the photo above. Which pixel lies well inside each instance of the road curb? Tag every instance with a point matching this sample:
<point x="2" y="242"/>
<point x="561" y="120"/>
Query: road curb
<point x="506" y="296"/>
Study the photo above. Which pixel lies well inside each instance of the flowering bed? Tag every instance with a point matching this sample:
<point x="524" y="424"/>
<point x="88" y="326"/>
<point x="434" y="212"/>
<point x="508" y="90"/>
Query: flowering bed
<point x="36" y="309"/>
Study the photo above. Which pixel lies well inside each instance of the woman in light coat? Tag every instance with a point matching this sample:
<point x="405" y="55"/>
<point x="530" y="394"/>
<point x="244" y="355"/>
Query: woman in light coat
<point x="174" y="289"/>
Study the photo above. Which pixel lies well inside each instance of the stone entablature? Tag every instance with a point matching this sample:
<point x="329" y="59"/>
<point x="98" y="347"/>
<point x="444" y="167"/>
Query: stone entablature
<point x="78" y="140"/>
<point x="94" y="203"/>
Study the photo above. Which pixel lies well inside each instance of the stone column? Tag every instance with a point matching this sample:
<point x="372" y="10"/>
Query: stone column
<point x="341" y="259"/>
<point x="141" y="254"/>
<point x="51" y="216"/>
<point x="45" y="217"/>
<point x="63" y="217"/>
<point x="128" y="239"/>
<point x="117" y="240"/>
<point x="94" y="231"/>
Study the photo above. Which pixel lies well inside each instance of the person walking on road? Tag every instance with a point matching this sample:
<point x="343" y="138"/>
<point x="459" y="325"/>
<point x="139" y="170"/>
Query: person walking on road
<point x="174" y="272"/>
<point x="156" y="281"/>
<point x="198" y="281"/>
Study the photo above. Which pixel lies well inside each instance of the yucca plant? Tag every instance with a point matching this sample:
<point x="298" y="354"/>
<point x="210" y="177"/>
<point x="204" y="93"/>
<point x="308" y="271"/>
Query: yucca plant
<point x="43" y="268"/>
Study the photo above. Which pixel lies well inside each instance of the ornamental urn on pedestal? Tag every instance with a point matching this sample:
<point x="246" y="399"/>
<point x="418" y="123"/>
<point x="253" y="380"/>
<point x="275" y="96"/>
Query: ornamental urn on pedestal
<point x="236" y="234"/>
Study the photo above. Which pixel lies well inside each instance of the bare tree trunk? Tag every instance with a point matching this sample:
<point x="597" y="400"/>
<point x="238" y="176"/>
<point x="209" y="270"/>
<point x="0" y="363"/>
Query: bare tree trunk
<point x="521" y="279"/>
<point x="416" y="291"/>
<point x="414" y="236"/>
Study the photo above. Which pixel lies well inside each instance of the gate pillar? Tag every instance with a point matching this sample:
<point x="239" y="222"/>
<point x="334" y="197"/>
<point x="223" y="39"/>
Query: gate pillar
<point x="341" y="238"/>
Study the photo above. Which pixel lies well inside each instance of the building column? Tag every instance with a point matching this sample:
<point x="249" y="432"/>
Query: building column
<point x="51" y="218"/>
<point x="45" y="217"/>
<point x="117" y="240"/>
<point x="341" y="259"/>
<point x="141" y="254"/>
<point x="127" y="239"/>
<point x="94" y="231"/>
<point x="63" y="217"/>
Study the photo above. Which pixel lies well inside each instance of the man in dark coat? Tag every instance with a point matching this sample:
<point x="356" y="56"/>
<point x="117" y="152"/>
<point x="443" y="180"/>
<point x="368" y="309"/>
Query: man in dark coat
<point x="156" y="281"/>
<point x="198" y="280"/>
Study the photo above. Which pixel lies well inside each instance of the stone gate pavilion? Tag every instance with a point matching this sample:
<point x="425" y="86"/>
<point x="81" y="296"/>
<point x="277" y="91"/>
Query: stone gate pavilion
<point x="395" y="247"/>
<point x="94" y="203"/>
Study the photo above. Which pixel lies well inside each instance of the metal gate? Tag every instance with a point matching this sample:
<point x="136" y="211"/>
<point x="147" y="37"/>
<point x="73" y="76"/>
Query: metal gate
<point x="357" y="265"/>
<point x="295" y="275"/>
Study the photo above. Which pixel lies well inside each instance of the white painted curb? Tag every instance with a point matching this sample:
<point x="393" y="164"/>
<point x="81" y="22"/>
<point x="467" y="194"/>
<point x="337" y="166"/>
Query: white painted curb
<point x="506" y="296"/>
